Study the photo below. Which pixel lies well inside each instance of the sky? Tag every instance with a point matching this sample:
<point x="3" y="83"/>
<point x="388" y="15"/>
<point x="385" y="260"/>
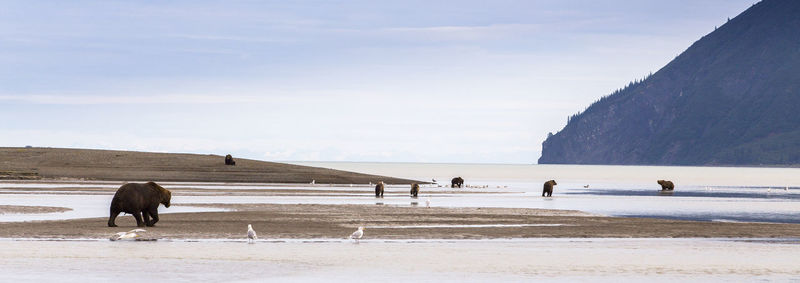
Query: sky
<point x="364" y="80"/>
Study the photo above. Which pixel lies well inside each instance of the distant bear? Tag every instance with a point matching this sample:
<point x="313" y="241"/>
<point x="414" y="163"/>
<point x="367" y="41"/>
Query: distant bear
<point x="229" y="160"/>
<point x="379" y="190"/>
<point x="666" y="185"/>
<point x="548" y="188"/>
<point x="457" y="182"/>
<point x="414" y="189"/>
<point x="140" y="200"/>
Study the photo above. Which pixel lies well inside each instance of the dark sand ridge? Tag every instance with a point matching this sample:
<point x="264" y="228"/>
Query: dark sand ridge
<point x="59" y="163"/>
<point x="22" y="209"/>
<point x="402" y="190"/>
<point x="338" y="221"/>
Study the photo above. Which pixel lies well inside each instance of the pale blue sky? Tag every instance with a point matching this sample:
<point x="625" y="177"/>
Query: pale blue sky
<point x="404" y="81"/>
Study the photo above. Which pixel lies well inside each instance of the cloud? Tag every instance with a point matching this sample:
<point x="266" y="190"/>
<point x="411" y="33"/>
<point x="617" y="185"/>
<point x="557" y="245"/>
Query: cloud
<point x="210" y="37"/>
<point x="127" y="99"/>
<point x="467" y="33"/>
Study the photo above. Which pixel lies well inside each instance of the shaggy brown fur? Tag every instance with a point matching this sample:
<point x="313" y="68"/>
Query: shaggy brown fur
<point x="379" y="190"/>
<point x="229" y="160"/>
<point x="666" y="185"/>
<point x="414" y="190"/>
<point x="140" y="200"/>
<point x="457" y="182"/>
<point x="548" y="188"/>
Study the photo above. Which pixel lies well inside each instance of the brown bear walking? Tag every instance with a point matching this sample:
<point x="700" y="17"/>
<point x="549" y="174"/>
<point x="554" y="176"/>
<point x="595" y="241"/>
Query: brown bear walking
<point x="457" y="182"/>
<point x="379" y="190"/>
<point x="666" y="185"/>
<point x="548" y="188"/>
<point x="139" y="200"/>
<point x="414" y="190"/>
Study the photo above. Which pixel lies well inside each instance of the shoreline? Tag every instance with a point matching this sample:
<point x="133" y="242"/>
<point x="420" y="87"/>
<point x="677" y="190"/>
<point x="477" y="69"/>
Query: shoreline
<point x="317" y="221"/>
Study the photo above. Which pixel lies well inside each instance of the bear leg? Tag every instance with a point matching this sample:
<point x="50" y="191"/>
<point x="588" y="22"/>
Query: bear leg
<point x="138" y="216"/>
<point x="113" y="217"/>
<point x="154" y="213"/>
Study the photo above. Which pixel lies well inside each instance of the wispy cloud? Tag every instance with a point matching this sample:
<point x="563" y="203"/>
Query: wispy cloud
<point x="211" y="37"/>
<point x="128" y="99"/>
<point x="466" y="32"/>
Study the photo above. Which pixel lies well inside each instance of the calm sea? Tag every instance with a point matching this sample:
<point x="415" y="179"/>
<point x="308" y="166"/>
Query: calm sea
<point x="701" y="193"/>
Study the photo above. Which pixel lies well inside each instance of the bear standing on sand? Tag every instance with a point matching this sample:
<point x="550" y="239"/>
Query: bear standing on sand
<point x="548" y="188"/>
<point x="666" y="185"/>
<point x="229" y="160"/>
<point x="457" y="182"/>
<point x="379" y="190"/>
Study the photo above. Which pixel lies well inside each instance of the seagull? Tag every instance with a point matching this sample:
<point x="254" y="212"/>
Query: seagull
<point x="769" y="190"/>
<point x="127" y="235"/>
<point x="585" y="186"/>
<point x="251" y="234"/>
<point x="357" y="234"/>
<point x="428" y="202"/>
<point x="786" y="189"/>
<point x="313" y="181"/>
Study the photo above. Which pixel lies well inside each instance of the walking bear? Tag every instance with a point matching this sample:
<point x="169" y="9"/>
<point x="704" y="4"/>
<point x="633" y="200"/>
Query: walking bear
<point x="139" y="200"/>
<point x="548" y="188"/>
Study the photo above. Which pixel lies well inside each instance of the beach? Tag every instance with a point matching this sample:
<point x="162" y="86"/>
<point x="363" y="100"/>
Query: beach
<point x="309" y="221"/>
<point x="499" y="228"/>
<point x="545" y="260"/>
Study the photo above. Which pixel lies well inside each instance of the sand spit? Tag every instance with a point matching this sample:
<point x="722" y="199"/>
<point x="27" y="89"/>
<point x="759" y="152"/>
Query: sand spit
<point x="88" y="164"/>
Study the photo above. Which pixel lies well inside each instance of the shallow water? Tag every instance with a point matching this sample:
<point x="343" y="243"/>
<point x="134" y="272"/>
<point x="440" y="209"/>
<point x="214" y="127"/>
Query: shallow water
<point x="713" y="194"/>
<point x="603" y="260"/>
<point x="702" y="193"/>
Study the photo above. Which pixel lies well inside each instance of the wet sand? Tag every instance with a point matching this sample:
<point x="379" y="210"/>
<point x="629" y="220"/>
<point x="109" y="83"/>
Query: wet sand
<point x="311" y="221"/>
<point x="567" y="260"/>
<point x="22" y="209"/>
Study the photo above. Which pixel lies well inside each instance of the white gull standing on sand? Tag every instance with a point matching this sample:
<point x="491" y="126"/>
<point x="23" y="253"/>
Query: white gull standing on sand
<point x="357" y="234"/>
<point x="251" y="234"/>
<point x="428" y="202"/>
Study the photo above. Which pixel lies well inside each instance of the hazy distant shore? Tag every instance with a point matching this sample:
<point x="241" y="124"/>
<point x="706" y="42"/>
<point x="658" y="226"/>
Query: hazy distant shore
<point x="393" y="222"/>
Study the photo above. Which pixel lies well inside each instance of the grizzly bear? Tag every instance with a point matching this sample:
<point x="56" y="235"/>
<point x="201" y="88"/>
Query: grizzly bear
<point x="379" y="190"/>
<point x="414" y="189"/>
<point x="666" y="185"/>
<point x="140" y="200"/>
<point x="548" y="188"/>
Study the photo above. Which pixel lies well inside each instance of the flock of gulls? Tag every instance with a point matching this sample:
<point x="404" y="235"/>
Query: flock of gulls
<point x="133" y="235"/>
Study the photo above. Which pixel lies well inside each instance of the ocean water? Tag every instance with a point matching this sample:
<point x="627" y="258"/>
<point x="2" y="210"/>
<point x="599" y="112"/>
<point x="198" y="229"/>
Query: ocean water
<point x="754" y="194"/>
<point x="701" y="193"/>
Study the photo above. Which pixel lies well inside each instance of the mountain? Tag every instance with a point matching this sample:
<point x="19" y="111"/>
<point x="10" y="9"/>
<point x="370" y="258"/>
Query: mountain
<point x="732" y="98"/>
